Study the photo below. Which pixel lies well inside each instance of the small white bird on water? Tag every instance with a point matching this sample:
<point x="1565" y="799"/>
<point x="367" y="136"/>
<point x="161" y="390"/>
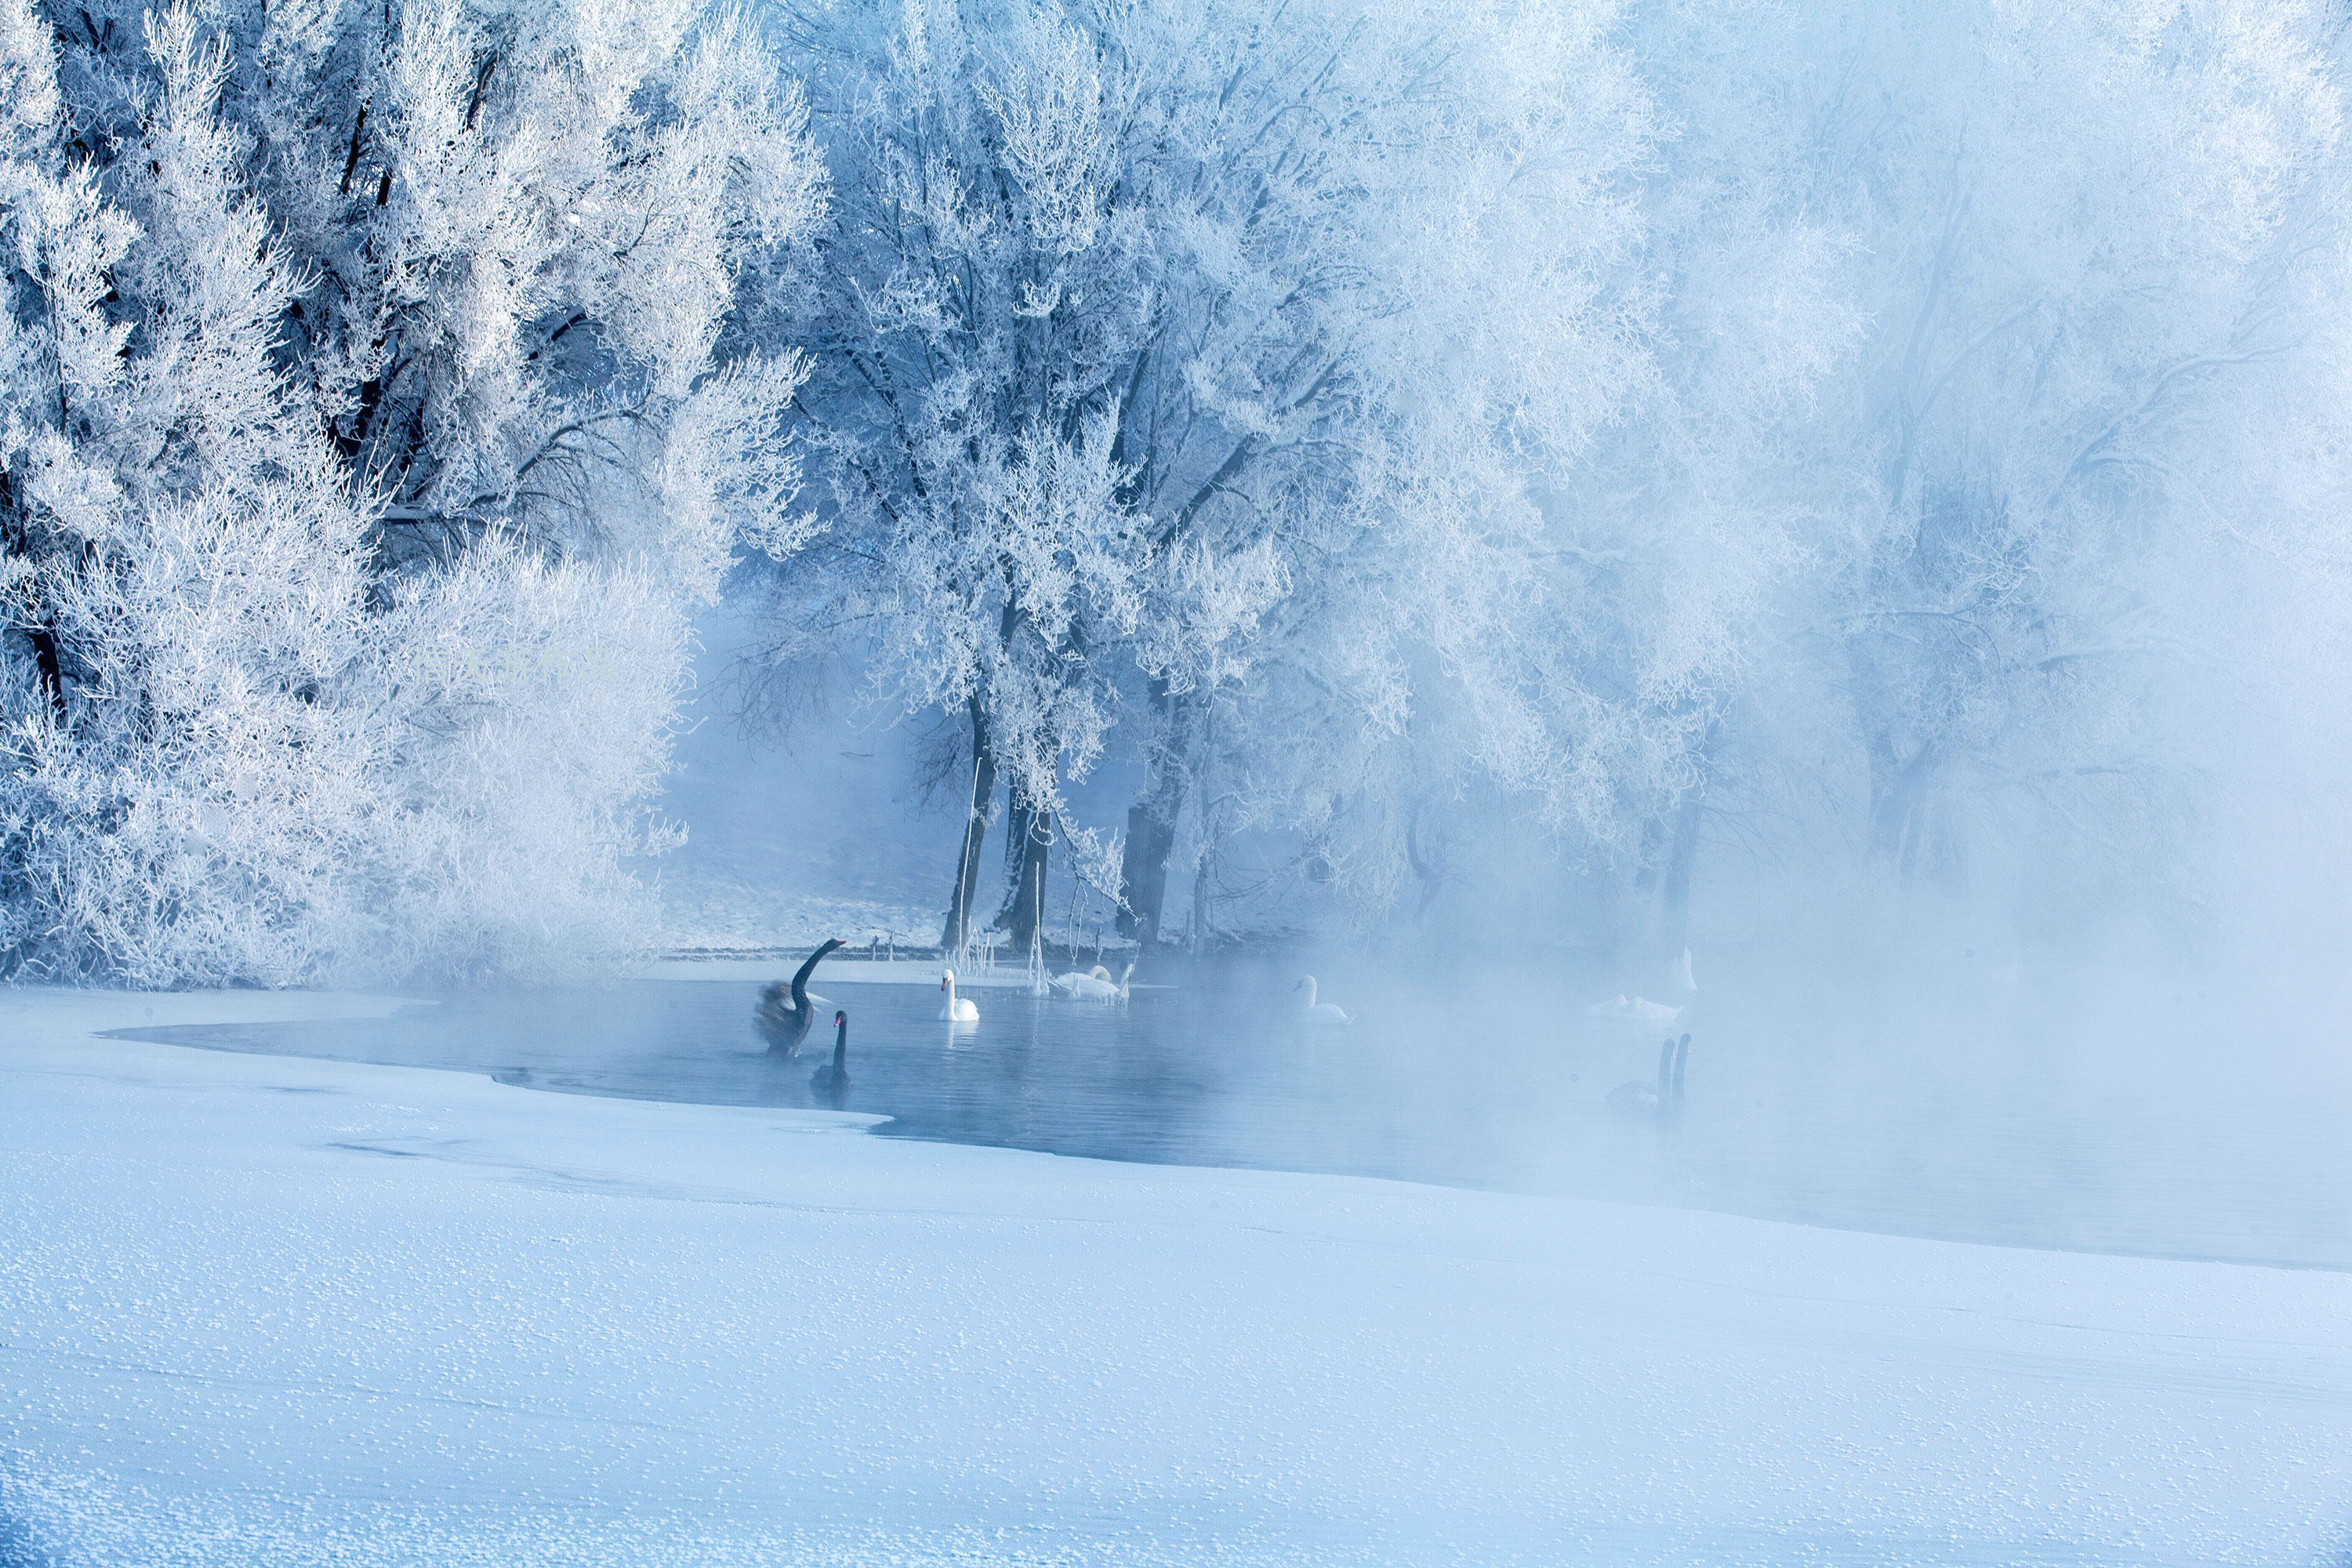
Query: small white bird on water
<point x="1324" y="1014"/>
<point x="955" y="1012"/>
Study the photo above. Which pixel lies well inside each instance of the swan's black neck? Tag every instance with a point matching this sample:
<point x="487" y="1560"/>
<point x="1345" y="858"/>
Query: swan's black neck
<point x="1671" y="1057"/>
<point x="800" y="980"/>
<point x="841" y="1046"/>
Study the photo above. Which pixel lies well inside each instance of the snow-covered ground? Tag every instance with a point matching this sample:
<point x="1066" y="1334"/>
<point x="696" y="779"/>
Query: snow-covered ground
<point x="261" y="1310"/>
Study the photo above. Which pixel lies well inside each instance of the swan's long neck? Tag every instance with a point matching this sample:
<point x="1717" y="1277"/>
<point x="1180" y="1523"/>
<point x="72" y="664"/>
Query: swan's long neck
<point x="951" y="993"/>
<point x="801" y="979"/>
<point x="1309" y="1003"/>
<point x="840" y="1049"/>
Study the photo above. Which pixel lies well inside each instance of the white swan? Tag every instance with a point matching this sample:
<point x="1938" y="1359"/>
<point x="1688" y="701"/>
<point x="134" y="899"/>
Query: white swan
<point x="1095" y="985"/>
<point x="955" y="1012"/>
<point x="1642" y="1010"/>
<point x="1324" y="1014"/>
<point x="1634" y="1010"/>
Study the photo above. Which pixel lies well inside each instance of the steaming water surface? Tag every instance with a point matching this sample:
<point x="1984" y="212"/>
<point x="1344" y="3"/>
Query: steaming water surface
<point x="1465" y="1091"/>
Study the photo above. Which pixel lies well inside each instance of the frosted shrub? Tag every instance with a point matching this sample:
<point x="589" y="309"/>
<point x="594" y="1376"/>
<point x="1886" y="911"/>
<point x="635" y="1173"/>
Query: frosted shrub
<point x="535" y="704"/>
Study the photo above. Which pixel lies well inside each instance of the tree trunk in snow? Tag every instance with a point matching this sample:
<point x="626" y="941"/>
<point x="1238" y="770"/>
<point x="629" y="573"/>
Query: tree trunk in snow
<point x="1674" y="903"/>
<point x="956" y="934"/>
<point x="1202" y="872"/>
<point x="1029" y="842"/>
<point x="1645" y="876"/>
<point x="1151" y="824"/>
<point x="1900" y="798"/>
<point x="46" y="660"/>
<point x="53" y="681"/>
<point x="1682" y="852"/>
<point x="1143" y="867"/>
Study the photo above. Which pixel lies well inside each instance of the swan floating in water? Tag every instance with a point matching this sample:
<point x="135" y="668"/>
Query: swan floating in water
<point x="1642" y="1010"/>
<point x="785" y="1024"/>
<point x="1634" y="1010"/>
<point x="1095" y="985"/>
<point x="833" y="1079"/>
<point x="1663" y="1104"/>
<point x="1323" y="1014"/>
<point x="956" y="1011"/>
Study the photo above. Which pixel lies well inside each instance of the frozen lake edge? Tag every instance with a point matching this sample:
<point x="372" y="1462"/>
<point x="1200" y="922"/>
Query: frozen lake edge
<point x="267" y="1308"/>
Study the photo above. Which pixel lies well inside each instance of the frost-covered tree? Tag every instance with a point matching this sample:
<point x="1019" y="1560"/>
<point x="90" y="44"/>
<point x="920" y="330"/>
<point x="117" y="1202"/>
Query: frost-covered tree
<point x="372" y="421"/>
<point x="1985" y="354"/>
<point x="1671" y="548"/>
<point x="1137" y="316"/>
<point x="2094" y="239"/>
<point x="1553" y="628"/>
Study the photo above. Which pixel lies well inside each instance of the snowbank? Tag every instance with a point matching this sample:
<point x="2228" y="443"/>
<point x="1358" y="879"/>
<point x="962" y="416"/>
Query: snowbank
<point x="265" y="1310"/>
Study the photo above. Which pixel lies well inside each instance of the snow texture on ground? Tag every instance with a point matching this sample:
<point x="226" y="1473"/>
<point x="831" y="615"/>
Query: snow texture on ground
<point x="261" y="1310"/>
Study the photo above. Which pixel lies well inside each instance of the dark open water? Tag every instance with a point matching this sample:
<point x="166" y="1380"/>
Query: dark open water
<point x="1481" y="1087"/>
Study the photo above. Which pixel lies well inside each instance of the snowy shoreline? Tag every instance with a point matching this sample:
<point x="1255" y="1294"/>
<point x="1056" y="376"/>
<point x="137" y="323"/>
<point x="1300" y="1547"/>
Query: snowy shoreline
<point x="271" y="1309"/>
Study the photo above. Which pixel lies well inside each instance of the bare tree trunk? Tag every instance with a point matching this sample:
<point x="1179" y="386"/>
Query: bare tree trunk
<point x="1646" y="876"/>
<point x="1682" y="854"/>
<point x="1016" y="853"/>
<point x="1897" y="794"/>
<point x="46" y="658"/>
<point x="956" y="935"/>
<point x="1203" y="872"/>
<point x="1428" y="856"/>
<point x="1151" y="822"/>
<point x="1029" y="842"/>
<point x="1681" y="849"/>
<point x="1899" y="807"/>
<point x="53" y="681"/>
<point x="1143" y="867"/>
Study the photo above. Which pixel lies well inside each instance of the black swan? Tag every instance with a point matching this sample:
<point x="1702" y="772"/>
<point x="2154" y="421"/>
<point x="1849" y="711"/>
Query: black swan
<point x="1663" y="1104"/>
<point x="834" y="1078"/>
<point x="782" y="1023"/>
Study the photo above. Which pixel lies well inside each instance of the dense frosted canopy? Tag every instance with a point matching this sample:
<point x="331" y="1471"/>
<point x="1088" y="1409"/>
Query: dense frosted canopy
<point x="1643" y="447"/>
